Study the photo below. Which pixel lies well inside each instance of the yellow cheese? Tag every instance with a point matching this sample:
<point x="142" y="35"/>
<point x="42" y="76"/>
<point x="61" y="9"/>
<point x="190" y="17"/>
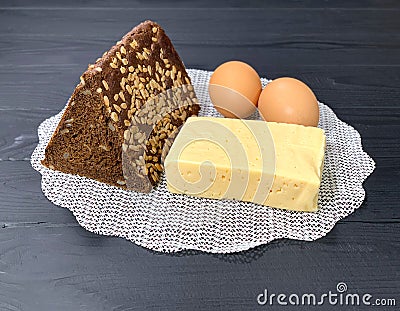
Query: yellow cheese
<point x="272" y="164"/>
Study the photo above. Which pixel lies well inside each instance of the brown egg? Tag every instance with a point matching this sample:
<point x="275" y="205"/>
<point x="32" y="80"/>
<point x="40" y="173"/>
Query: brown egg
<point x="288" y="100"/>
<point x="234" y="89"/>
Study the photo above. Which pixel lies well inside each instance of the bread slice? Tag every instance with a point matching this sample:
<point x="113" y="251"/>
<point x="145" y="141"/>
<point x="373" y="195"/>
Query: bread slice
<point x="124" y="114"/>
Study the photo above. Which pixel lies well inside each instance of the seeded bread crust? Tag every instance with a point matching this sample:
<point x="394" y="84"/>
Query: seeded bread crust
<point x="119" y="124"/>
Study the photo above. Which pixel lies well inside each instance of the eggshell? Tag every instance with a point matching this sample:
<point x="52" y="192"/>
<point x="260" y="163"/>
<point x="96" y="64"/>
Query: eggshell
<point x="234" y="89"/>
<point x="288" y="100"/>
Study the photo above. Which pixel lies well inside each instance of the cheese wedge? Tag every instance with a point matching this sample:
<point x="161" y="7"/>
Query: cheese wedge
<point x="273" y="164"/>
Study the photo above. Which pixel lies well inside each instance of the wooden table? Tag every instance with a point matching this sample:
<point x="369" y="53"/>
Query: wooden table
<point x="348" y="52"/>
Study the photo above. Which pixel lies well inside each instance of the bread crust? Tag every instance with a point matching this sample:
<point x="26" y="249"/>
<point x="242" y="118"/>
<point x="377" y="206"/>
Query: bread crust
<point x="112" y="104"/>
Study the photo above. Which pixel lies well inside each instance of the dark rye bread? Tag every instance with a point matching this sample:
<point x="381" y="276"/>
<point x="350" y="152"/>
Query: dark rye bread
<point x="124" y="114"/>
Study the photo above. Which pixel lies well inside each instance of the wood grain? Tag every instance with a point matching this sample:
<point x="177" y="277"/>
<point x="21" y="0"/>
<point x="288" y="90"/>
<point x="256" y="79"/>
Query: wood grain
<point x="22" y="202"/>
<point x="67" y="268"/>
<point x="226" y="4"/>
<point x="255" y="35"/>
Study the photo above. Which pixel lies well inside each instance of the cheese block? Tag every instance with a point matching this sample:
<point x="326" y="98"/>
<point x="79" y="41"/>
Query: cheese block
<point x="273" y="164"/>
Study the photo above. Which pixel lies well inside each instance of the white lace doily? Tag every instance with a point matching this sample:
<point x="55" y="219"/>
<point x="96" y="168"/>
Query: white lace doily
<point x="167" y="222"/>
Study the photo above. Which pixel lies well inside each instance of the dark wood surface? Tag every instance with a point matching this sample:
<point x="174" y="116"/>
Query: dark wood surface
<point x="347" y="51"/>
